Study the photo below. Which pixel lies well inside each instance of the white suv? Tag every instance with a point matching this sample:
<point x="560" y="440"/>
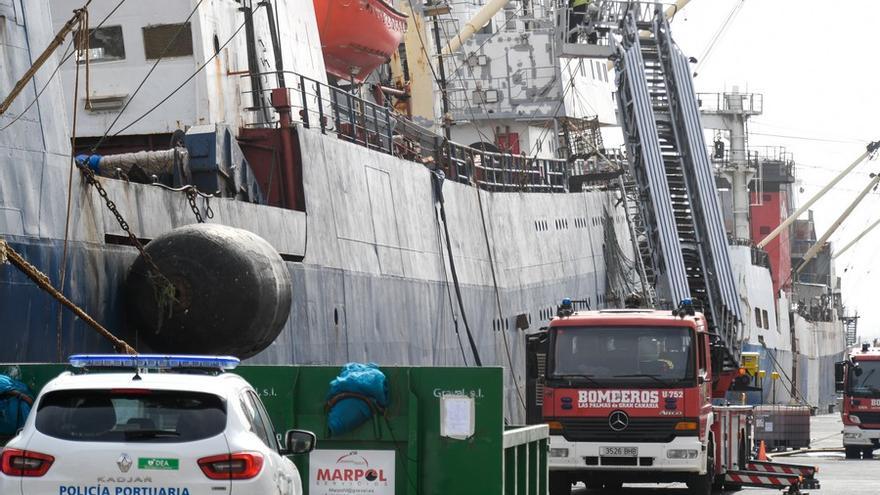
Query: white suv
<point x="187" y="429"/>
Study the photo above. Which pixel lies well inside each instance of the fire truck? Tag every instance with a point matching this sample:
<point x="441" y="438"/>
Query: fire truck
<point x="635" y="395"/>
<point x="628" y="395"/>
<point x="858" y="380"/>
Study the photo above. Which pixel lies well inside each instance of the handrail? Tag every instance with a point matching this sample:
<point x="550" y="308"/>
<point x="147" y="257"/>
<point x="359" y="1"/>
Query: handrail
<point x="333" y="110"/>
<point x="526" y="434"/>
<point x="526" y="469"/>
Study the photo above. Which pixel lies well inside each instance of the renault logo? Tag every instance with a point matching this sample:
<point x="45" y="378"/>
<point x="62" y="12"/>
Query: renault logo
<point x="618" y="421"/>
<point x="124" y="462"/>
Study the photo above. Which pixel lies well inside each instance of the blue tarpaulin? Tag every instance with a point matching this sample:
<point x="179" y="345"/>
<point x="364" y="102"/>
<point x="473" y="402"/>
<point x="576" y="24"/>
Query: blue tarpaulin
<point x="365" y="380"/>
<point x="15" y="405"/>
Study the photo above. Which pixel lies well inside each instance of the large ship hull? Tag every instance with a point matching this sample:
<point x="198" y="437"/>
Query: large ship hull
<point x="801" y="351"/>
<point x="370" y="274"/>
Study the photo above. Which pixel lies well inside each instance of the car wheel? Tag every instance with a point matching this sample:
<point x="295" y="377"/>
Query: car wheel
<point x="852" y="452"/>
<point x="868" y="452"/>
<point x="560" y="484"/>
<point x="613" y="486"/>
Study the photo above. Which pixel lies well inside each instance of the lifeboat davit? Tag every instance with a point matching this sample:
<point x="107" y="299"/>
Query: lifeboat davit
<point x="357" y="36"/>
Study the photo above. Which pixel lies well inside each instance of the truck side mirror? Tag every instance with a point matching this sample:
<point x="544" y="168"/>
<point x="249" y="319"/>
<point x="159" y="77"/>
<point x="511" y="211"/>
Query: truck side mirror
<point x="839" y="374"/>
<point x="299" y="442"/>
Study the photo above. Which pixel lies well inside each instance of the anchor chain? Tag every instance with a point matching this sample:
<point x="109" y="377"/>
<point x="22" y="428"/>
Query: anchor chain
<point x="164" y="289"/>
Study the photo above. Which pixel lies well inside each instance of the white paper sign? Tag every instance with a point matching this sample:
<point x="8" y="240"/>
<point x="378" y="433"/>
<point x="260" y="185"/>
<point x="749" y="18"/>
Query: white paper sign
<point x="457" y="416"/>
<point x="341" y="472"/>
<point x="768" y="426"/>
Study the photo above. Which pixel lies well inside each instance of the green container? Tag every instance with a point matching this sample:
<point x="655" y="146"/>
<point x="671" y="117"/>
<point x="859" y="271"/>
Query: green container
<point x="403" y="448"/>
<point x="426" y="463"/>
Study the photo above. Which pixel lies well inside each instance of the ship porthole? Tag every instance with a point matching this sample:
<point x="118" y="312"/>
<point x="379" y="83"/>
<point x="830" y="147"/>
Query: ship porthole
<point x="336" y="316"/>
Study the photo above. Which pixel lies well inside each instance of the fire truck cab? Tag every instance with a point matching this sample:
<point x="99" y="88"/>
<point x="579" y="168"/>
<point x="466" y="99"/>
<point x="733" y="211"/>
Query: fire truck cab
<point x="858" y="379"/>
<point x="628" y="397"/>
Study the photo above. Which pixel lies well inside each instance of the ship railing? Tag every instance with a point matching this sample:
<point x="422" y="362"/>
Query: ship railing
<point x="503" y="172"/>
<point x="333" y="110"/>
<point x="604" y="16"/>
<point x="748" y="103"/>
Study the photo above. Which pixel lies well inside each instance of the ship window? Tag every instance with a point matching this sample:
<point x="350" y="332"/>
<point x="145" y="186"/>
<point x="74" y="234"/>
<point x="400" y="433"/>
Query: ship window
<point x="105" y="44"/>
<point x="758" y="318"/>
<point x="766" y="319"/>
<point x="163" y="41"/>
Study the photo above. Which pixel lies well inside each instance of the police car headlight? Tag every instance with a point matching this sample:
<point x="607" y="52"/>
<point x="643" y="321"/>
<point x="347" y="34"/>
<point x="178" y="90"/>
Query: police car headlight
<point x="558" y="452"/>
<point x="681" y="454"/>
<point x="855" y="419"/>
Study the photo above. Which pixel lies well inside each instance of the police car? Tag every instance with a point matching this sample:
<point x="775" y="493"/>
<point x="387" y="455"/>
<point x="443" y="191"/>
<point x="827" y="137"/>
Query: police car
<point x="150" y="425"/>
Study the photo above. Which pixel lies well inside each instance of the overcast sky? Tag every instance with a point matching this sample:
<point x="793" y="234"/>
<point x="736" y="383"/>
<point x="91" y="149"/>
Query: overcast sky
<point x="815" y="63"/>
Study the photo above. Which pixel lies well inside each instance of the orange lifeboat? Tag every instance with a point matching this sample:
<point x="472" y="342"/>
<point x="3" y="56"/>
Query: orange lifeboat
<point x="357" y="36"/>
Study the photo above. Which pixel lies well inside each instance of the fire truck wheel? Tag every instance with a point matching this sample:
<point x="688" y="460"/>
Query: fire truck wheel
<point x="852" y="452"/>
<point x="560" y="484"/>
<point x="704" y="485"/>
<point x="613" y="486"/>
<point x="868" y="453"/>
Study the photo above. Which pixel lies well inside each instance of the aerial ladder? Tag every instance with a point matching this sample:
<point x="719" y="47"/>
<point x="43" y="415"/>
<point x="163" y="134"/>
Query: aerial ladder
<point x="669" y="161"/>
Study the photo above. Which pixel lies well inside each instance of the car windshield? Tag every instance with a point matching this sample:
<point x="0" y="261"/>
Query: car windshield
<point x="605" y="356"/>
<point x="131" y="415"/>
<point x="864" y="379"/>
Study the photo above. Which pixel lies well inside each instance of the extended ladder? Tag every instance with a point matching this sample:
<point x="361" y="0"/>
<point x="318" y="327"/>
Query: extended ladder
<point x="668" y="158"/>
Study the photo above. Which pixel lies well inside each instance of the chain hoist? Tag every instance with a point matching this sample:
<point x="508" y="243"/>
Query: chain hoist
<point x="192" y="192"/>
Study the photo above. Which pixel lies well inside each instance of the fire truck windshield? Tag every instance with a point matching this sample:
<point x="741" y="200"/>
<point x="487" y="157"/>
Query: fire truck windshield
<point x="864" y="380"/>
<point x="603" y="356"/>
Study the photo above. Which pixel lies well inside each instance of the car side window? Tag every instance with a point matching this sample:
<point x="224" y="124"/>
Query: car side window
<point x="255" y="420"/>
<point x="267" y="421"/>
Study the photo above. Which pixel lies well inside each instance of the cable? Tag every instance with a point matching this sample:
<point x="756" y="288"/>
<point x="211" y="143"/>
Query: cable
<point x="188" y="79"/>
<point x="498" y="301"/>
<point x="762" y="122"/>
<point x="808" y="138"/>
<point x="84" y="35"/>
<point x="448" y="291"/>
<point x="436" y="182"/>
<point x="718" y="35"/>
<point x="146" y="77"/>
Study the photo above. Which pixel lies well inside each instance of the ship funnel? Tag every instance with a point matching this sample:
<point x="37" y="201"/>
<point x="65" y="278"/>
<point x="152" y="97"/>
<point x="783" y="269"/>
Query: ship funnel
<point x="231" y="292"/>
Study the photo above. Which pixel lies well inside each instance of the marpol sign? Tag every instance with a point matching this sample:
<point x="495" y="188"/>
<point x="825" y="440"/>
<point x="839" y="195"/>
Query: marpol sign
<point x="368" y="472"/>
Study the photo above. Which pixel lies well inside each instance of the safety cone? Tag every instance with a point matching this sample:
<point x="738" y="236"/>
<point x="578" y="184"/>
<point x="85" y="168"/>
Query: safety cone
<point x="762" y="452"/>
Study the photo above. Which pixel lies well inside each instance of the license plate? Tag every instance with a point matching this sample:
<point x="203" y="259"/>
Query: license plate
<point x="619" y="451"/>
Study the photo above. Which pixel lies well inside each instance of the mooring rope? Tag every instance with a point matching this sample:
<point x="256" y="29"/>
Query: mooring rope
<point x="8" y="254"/>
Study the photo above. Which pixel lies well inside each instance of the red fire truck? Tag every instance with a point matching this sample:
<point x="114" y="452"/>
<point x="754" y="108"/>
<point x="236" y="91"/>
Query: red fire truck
<point x="858" y="378"/>
<point x="628" y="395"/>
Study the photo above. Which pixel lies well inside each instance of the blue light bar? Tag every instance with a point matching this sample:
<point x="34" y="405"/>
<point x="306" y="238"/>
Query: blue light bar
<point x="153" y="361"/>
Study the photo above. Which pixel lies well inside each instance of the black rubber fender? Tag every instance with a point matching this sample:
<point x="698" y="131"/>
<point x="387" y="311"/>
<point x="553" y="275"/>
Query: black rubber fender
<point x="232" y="292"/>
